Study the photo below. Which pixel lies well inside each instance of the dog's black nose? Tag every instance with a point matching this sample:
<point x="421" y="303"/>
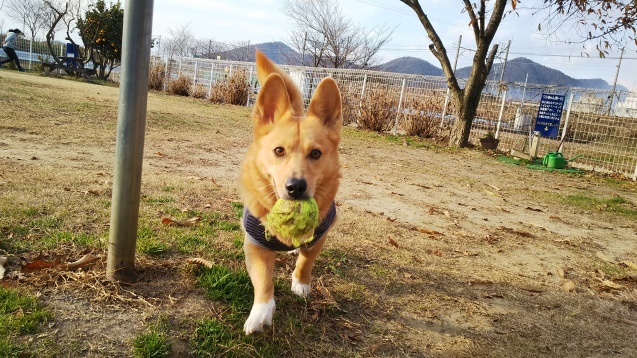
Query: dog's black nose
<point x="296" y="188"/>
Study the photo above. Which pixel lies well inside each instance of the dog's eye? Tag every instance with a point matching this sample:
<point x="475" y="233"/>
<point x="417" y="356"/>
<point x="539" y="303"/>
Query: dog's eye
<point x="315" y="154"/>
<point x="279" y="151"/>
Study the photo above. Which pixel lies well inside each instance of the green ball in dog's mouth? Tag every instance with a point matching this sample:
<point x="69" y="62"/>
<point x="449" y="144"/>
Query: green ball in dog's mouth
<point x="294" y="220"/>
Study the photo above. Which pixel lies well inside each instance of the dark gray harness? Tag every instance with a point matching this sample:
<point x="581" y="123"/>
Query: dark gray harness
<point x="257" y="232"/>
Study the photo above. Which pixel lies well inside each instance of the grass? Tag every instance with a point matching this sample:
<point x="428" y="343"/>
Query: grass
<point x="224" y="336"/>
<point x="215" y="338"/>
<point x="154" y="342"/>
<point x="615" y="204"/>
<point x="20" y="314"/>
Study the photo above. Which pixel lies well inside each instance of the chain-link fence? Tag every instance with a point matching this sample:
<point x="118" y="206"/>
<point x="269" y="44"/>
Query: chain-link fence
<point x="598" y="129"/>
<point x="33" y="52"/>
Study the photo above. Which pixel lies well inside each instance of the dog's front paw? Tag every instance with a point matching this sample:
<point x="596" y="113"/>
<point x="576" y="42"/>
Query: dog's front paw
<point x="260" y="317"/>
<point x="300" y="288"/>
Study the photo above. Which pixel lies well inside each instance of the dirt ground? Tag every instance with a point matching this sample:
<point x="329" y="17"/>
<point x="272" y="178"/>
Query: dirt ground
<point x="448" y="253"/>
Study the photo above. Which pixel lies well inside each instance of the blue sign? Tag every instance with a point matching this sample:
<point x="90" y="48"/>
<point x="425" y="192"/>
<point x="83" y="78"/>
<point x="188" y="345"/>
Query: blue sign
<point x="549" y="115"/>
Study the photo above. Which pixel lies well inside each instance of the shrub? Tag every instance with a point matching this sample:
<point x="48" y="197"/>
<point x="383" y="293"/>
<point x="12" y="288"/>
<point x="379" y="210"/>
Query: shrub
<point x="420" y="118"/>
<point x="234" y="89"/>
<point x="378" y="110"/>
<point x="198" y="91"/>
<point x="180" y="85"/>
<point x="351" y="103"/>
<point x="157" y="77"/>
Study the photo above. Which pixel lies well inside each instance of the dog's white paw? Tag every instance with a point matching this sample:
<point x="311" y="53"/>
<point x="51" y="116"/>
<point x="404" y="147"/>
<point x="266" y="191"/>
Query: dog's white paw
<point x="299" y="288"/>
<point x="294" y="252"/>
<point x="260" y="317"/>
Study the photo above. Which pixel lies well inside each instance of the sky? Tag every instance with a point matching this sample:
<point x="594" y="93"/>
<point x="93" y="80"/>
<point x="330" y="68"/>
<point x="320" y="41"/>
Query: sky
<point x="263" y="21"/>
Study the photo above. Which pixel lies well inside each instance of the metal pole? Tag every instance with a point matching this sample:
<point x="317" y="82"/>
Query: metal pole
<point x="504" y="65"/>
<point x="250" y="82"/>
<point x="303" y="51"/>
<point x="497" y="128"/>
<point x="568" y="115"/>
<point x="129" y="146"/>
<point x="30" y="51"/>
<point x="612" y="94"/>
<point x="364" y="85"/>
<point x="400" y="104"/>
<point x="166" y="74"/>
<point x="212" y="74"/>
<point x="455" y="63"/>
<point x="194" y="77"/>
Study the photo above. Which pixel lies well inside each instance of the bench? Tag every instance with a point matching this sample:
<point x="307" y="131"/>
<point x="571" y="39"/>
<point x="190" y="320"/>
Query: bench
<point x="78" y="71"/>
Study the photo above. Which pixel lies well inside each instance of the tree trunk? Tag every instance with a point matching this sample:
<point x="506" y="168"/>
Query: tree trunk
<point x="465" y="111"/>
<point x="468" y="98"/>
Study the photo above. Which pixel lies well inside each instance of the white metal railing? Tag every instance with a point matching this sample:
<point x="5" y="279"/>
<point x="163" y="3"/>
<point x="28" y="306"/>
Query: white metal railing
<point x="600" y="130"/>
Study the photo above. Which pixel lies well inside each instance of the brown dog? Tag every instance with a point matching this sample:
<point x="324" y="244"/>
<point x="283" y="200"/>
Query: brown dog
<point x="293" y="156"/>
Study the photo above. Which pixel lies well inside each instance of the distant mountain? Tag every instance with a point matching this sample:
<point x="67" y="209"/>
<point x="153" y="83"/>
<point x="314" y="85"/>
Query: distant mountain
<point x="411" y="65"/>
<point x="278" y="52"/>
<point x="517" y="68"/>
<point x="515" y="71"/>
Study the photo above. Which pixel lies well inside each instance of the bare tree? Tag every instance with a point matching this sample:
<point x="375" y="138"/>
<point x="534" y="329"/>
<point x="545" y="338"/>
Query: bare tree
<point x="606" y="22"/>
<point x="602" y="19"/>
<point x="179" y="42"/>
<point x="209" y="48"/>
<point x="63" y="15"/>
<point x="32" y="13"/>
<point x="239" y="51"/>
<point x="326" y="37"/>
<point x="466" y="99"/>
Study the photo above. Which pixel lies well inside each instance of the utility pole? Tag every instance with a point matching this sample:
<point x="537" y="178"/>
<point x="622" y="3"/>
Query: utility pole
<point x="612" y="94"/>
<point x="303" y="52"/>
<point x="504" y="65"/>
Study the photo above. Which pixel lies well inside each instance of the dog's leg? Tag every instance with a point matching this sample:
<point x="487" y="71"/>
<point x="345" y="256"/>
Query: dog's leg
<point x="302" y="274"/>
<point x="260" y="265"/>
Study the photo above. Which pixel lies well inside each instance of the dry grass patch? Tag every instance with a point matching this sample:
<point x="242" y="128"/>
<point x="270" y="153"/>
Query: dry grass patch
<point x="234" y="89"/>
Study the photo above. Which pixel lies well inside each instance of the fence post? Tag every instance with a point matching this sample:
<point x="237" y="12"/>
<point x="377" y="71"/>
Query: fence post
<point x="30" y="51"/>
<point x="364" y="85"/>
<point x="568" y="115"/>
<point x="212" y="73"/>
<point x="194" y="77"/>
<point x="444" y="109"/>
<point x="249" y="86"/>
<point x="180" y="64"/>
<point x="230" y="72"/>
<point x="497" y="129"/>
<point x="166" y="74"/>
<point x="400" y="104"/>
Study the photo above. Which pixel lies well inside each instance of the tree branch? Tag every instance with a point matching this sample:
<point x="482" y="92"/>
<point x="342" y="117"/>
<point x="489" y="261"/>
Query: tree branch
<point x="437" y="48"/>
<point x="482" y="16"/>
<point x="495" y="20"/>
<point x="473" y="18"/>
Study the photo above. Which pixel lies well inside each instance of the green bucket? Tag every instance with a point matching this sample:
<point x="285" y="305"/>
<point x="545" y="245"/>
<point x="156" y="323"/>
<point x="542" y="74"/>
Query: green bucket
<point x="554" y="160"/>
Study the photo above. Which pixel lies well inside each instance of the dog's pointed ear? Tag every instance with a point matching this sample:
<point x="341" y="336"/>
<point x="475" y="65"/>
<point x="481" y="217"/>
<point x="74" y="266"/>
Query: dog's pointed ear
<point x="273" y="101"/>
<point x="265" y="67"/>
<point x="326" y="104"/>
